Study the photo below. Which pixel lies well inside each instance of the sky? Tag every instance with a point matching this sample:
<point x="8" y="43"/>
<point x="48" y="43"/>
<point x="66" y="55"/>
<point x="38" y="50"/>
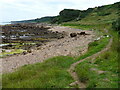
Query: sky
<point x="13" y="10"/>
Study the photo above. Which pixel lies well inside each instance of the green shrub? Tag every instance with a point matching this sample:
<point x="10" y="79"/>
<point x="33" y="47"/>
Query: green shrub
<point x="116" y="25"/>
<point x="68" y="14"/>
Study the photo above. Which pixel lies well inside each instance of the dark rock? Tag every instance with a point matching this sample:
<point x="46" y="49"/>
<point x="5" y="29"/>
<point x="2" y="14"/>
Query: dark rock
<point x="29" y="51"/>
<point x="105" y="35"/>
<point x="73" y="35"/>
<point x="10" y="45"/>
<point x="56" y="31"/>
<point x="37" y="45"/>
<point x="82" y="33"/>
<point x="45" y="32"/>
<point x="24" y="53"/>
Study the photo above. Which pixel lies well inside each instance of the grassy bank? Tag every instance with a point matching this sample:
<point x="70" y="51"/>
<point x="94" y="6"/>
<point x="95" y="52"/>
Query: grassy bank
<point x="102" y="72"/>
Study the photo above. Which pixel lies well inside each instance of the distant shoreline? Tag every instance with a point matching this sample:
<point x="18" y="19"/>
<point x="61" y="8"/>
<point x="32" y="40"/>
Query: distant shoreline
<point x="4" y="23"/>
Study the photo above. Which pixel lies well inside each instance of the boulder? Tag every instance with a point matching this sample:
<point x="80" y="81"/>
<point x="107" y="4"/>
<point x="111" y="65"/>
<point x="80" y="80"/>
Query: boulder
<point x="81" y="33"/>
<point x="73" y="35"/>
<point x="56" y="32"/>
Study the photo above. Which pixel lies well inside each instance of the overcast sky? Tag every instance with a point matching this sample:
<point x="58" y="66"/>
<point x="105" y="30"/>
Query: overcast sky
<point x="30" y="9"/>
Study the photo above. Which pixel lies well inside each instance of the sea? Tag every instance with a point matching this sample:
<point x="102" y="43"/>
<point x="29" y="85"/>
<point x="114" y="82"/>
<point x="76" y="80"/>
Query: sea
<point x="4" y="23"/>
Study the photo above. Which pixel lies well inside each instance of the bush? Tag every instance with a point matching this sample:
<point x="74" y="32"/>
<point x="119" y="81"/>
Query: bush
<point x="116" y="25"/>
<point x="68" y="14"/>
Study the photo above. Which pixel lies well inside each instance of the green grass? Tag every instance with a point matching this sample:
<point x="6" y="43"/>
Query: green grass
<point x="49" y="74"/>
<point x="78" y="26"/>
<point x="87" y="26"/>
<point x="53" y="72"/>
<point x="94" y="49"/>
<point x="93" y="79"/>
<point x="107" y="62"/>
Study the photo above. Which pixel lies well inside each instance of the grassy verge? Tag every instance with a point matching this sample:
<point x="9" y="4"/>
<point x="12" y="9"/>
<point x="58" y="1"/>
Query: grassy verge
<point x="49" y="74"/>
<point x="78" y="26"/>
<point x="95" y="47"/>
<point x="101" y="72"/>
<point x="87" y="26"/>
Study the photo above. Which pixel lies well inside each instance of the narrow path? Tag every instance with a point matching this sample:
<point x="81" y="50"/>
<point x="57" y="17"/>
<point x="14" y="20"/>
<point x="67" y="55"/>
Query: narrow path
<point x="72" y="72"/>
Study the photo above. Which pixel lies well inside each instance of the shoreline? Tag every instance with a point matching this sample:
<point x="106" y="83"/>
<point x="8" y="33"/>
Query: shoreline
<point x="72" y="46"/>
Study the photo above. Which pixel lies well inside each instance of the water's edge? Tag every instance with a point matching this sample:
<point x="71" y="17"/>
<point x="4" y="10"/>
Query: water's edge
<point x="4" y="23"/>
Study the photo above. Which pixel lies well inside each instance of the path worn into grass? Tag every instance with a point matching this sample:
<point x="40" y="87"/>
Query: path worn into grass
<point x="71" y="70"/>
<point x="65" y="46"/>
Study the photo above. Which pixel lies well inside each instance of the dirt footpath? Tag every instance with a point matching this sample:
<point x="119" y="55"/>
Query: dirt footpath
<point x="65" y="46"/>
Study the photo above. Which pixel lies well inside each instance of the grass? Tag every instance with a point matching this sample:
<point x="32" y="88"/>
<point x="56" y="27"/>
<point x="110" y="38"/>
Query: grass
<point x="50" y="74"/>
<point x="87" y="26"/>
<point x="107" y="62"/>
<point x="78" y="26"/>
<point x="93" y="79"/>
<point x="94" y="49"/>
<point x="53" y="72"/>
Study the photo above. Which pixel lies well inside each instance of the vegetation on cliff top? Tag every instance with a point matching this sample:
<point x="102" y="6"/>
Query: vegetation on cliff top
<point x="102" y="13"/>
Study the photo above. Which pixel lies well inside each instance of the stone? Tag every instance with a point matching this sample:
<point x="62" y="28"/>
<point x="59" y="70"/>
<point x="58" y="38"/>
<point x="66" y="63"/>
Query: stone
<point x="73" y="35"/>
<point x="81" y="33"/>
<point x="73" y="84"/>
<point x="24" y="53"/>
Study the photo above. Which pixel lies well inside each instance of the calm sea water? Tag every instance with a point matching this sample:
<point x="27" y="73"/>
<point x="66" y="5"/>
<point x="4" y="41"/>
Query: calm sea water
<point x="4" y="23"/>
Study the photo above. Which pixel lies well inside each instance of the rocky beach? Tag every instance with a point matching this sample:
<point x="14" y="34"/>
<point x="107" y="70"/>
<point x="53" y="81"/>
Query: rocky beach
<point x="62" y="41"/>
